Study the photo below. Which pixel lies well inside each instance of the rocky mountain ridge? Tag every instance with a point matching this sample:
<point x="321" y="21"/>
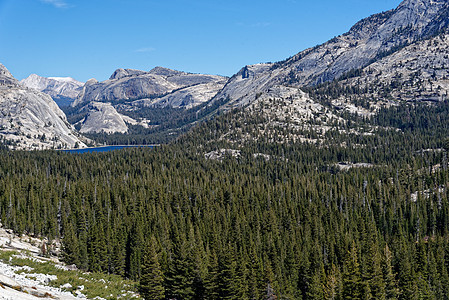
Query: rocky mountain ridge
<point x="30" y="119"/>
<point x="129" y="84"/>
<point x="62" y="89"/>
<point x="366" y="62"/>
<point x="416" y="73"/>
<point x="368" y="41"/>
<point x="128" y="91"/>
<point x="383" y="60"/>
<point x="389" y="59"/>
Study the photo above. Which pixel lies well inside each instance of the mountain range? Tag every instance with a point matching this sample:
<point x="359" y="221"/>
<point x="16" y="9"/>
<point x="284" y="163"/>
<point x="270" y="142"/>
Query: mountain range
<point x="63" y="90"/>
<point x="370" y="40"/>
<point x="31" y="119"/>
<point x="388" y="58"/>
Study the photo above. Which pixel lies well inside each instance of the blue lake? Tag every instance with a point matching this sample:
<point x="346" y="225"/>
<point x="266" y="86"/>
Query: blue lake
<point x="105" y="148"/>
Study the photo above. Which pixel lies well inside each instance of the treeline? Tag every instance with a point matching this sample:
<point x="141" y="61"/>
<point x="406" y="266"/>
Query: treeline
<point x="165" y="124"/>
<point x="288" y="224"/>
<point x="243" y="228"/>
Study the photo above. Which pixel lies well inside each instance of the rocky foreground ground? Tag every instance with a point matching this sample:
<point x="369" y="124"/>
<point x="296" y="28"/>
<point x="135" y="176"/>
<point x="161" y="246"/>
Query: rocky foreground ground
<point x="21" y="277"/>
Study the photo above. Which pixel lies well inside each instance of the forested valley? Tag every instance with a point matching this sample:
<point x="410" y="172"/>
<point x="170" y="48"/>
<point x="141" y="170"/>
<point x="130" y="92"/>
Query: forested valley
<point x="288" y="224"/>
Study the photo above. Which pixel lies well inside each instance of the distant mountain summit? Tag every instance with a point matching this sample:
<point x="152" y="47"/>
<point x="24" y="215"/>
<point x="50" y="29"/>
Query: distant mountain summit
<point x="129" y="96"/>
<point x="397" y="57"/>
<point x="368" y="41"/>
<point x="129" y="84"/>
<point x="30" y="119"/>
<point x="389" y="58"/>
<point x="6" y="79"/>
<point x="62" y="89"/>
<point x="122" y="73"/>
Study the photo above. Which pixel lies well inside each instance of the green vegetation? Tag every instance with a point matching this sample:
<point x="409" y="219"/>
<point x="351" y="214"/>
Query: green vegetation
<point x="165" y="123"/>
<point x="290" y="227"/>
<point x="95" y="284"/>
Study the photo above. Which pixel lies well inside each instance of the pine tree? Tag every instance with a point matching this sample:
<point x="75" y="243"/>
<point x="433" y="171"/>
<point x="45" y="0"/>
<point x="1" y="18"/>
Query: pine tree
<point x="316" y="289"/>
<point x="134" y="250"/>
<point x="270" y="293"/>
<point x="70" y="249"/>
<point x="352" y="284"/>
<point x="374" y="277"/>
<point x="391" y="286"/>
<point x="151" y="278"/>
<point x="407" y="276"/>
<point x="179" y="281"/>
<point x="211" y="281"/>
<point x="227" y="276"/>
<point x="331" y="284"/>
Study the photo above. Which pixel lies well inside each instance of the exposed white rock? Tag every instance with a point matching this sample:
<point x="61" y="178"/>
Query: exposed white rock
<point x="244" y="86"/>
<point x="103" y="117"/>
<point x="281" y="115"/>
<point x="128" y="84"/>
<point x="31" y="119"/>
<point x="122" y="73"/>
<point x="346" y="166"/>
<point x="262" y="155"/>
<point x="368" y="40"/>
<point x="6" y="79"/>
<point x="142" y="122"/>
<point x="187" y="98"/>
<point x="18" y="285"/>
<point x="66" y="286"/>
<point x="222" y="153"/>
<point x="56" y="87"/>
<point x="419" y="72"/>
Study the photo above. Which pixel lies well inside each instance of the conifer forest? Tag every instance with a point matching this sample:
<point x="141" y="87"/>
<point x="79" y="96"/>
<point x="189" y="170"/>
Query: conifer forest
<point x="290" y="224"/>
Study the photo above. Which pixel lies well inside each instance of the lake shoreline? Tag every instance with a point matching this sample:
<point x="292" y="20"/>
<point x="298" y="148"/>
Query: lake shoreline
<point x="105" y="148"/>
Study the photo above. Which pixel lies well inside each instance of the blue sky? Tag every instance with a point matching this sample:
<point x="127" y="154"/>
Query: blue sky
<point x="91" y="38"/>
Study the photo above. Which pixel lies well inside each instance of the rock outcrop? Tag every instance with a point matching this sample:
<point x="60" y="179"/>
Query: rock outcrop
<point x="30" y="119"/>
<point x="128" y="85"/>
<point x="102" y="117"/>
<point x="368" y="41"/>
<point x="62" y="89"/>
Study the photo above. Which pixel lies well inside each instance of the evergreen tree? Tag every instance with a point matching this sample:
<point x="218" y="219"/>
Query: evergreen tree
<point x="352" y="281"/>
<point x="316" y="288"/>
<point x="70" y="247"/>
<point x="151" y="278"/>
<point x="211" y="281"/>
<point x="227" y="276"/>
<point x="332" y="284"/>
<point x="179" y="280"/>
<point x="374" y="276"/>
<point x="391" y="288"/>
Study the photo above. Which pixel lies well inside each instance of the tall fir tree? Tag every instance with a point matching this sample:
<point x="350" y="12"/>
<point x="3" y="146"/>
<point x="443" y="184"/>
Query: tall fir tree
<point x="352" y="281"/>
<point x="180" y="277"/>
<point x="391" y="285"/>
<point x="151" y="283"/>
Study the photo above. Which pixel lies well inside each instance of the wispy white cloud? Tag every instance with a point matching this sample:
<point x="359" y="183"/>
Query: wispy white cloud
<point x="57" y="3"/>
<point x="145" y="50"/>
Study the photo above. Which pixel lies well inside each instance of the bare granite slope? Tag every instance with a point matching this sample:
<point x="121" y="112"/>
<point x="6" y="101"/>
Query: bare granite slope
<point x="368" y="41"/>
<point x="30" y="119"/>
<point x="56" y="87"/>
<point x="128" y="84"/>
